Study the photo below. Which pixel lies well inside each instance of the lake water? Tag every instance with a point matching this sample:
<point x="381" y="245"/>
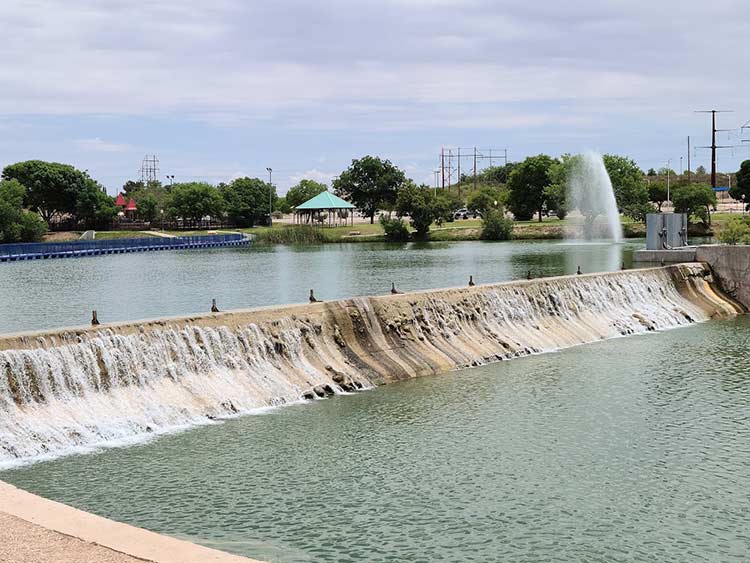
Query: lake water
<point x="634" y="449"/>
<point x="56" y="293"/>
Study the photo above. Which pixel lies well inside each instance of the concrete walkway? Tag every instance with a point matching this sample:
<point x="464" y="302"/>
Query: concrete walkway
<point x="37" y="530"/>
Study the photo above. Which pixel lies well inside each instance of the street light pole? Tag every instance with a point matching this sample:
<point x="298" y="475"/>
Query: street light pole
<point x="669" y="161"/>
<point x="270" y="195"/>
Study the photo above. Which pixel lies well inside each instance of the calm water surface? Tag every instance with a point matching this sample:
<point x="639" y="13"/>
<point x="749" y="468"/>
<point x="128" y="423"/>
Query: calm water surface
<point x="55" y="293"/>
<point x="635" y="449"/>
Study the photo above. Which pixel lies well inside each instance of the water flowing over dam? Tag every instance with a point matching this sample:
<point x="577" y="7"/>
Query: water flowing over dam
<point x="76" y="389"/>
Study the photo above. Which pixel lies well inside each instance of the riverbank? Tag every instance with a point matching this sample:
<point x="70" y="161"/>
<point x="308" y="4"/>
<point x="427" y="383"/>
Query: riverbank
<point x="462" y="230"/>
<point x="36" y="530"/>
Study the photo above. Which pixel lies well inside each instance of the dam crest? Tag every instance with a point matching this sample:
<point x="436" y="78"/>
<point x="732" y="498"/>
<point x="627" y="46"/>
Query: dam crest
<point x="74" y="390"/>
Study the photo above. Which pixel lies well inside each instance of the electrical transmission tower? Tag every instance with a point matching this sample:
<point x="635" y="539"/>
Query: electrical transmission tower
<point x="149" y="169"/>
<point x="713" y="145"/>
<point x="448" y="155"/>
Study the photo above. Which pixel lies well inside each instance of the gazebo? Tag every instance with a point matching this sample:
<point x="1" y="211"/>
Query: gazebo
<point x="324" y="210"/>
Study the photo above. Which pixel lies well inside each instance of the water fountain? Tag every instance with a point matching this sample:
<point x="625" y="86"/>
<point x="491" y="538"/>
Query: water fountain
<point x="590" y="192"/>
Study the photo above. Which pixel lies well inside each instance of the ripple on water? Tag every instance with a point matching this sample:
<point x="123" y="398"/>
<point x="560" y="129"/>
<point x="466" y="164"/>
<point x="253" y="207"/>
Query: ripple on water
<point x="634" y="449"/>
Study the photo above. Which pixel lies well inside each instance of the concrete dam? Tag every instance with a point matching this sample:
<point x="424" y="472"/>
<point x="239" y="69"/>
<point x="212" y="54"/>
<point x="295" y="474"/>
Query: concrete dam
<point x="77" y="389"/>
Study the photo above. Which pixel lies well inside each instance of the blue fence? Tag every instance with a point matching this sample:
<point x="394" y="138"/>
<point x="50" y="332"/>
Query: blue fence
<point x="43" y="250"/>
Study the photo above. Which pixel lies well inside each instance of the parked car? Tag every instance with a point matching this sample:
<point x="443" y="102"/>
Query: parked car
<point x="464" y="213"/>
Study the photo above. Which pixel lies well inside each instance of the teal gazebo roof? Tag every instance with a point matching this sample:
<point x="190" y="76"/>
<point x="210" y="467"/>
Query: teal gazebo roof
<point x="324" y="200"/>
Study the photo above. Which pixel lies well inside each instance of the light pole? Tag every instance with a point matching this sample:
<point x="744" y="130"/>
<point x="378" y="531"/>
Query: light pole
<point x="171" y="180"/>
<point x="680" y="166"/>
<point x="270" y="196"/>
<point x="669" y="161"/>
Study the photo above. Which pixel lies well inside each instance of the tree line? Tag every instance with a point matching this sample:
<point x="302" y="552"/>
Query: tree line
<point x="35" y="193"/>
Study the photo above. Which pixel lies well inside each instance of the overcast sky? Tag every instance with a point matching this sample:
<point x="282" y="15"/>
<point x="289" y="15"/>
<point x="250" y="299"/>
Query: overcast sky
<point x="225" y="88"/>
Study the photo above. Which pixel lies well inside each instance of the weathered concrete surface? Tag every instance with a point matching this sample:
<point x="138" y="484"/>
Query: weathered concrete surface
<point x="731" y="268"/>
<point x="37" y="530"/>
<point x="666" y="256"/>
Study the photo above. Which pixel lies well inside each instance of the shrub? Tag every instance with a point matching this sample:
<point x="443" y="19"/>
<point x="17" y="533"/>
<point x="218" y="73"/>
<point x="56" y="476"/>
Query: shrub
<point x="293" y="234"/>
<point x="496" y="226"/>
<point x="395" y="229"/>
<point x="737" y="231"/>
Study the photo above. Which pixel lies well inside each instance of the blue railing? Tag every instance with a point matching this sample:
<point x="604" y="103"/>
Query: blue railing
<point x="36" y="250"/>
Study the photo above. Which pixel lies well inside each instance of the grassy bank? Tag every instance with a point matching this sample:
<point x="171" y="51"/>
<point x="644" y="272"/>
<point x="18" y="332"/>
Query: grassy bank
<point x="283" y="233"/>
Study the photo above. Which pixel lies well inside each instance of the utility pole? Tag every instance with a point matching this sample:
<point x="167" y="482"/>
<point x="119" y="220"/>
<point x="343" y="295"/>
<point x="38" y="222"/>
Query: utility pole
<point x="688" y="160"/>
<point x="442" y="167"/>
<point x="714" y="146"/>
<point x="270" y="197"/>
<point x="475" y="168"/>
<point x="459" y="171"/>
<point x="669" y="160"/>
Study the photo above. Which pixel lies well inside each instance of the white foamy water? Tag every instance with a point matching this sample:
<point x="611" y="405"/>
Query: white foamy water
<point x="63" y="393"/>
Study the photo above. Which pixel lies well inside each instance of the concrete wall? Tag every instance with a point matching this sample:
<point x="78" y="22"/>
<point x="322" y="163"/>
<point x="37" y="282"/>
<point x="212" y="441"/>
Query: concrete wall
<point x="731" y="267"/>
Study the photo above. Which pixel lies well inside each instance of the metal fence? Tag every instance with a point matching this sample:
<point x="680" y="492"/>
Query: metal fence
<point x="35" y="250"/>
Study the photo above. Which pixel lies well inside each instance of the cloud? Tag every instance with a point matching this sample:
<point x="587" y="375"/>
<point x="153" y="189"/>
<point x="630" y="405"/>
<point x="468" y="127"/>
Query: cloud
<point x="98" y="145"/>
<point x="313" y="174"/>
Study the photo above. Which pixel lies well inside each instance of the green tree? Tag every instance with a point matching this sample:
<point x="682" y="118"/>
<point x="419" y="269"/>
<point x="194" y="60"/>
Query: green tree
<point x="370" y="184"/>
<point x="94" y="208"/>
<point x="282" y="205"/>
<point x="628" y="184"/>
<point x="304" y="190"/>
<point x="651" y="172"/>
<point x="17" y="224"/>
<point x="51" y="188"/>
<point x="445" y="205"/>
<point x="741" y="189"/>
<point x="418" y="203"/>
<point x="194" y="200"/>
<point x="247" y="201"/>
<point x="657" y="193"/>
<point x="496" y="226"/>
<point x="696" y="200"/>
<point x="395" y="229"/>
<point x="527" y="183"/>
<point x="485" y="198"/>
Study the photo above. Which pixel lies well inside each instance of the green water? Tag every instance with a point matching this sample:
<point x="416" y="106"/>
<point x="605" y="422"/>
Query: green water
<point x="634" y="449"/>
<point x="56" y="293"/>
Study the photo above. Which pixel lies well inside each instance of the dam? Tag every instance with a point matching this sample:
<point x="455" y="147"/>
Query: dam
<point x="552" y="402"/>
<point x="76" y="389"/>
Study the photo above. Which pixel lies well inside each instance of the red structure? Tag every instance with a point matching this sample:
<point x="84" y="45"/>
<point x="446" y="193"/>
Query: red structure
<point x="120" y="200"/>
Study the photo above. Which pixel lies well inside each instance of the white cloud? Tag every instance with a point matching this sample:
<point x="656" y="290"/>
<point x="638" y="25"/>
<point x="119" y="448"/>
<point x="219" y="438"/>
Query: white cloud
<point x="314" y="174"/>
<point x="99" y="145"/>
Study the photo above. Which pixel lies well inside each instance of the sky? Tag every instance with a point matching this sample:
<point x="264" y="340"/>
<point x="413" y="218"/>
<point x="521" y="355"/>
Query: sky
<point x="226" y="88"/>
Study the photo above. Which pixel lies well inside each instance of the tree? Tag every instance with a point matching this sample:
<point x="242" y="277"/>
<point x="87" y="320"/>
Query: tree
<point x="247" y="200"/>
<point x="418" y="203"/>
<point x="741" y="189"/>
<point x="651" y="172"/>
<point x="628" y="184"/>
<point x="527" y="183"/>
<point x="657" y="193"/>
<point x="496" y="226"/>
<point x="696" y="200"/>
<point x="282" y="205"/>
<point x="194" y="200"/>
<point x="445" y="205"/>
<point x="94" y="207"/>
<point x="484" y="199"/>
<point x="395" y="229"/>
<point x="17" y="224"/>
<point x="306" y="189"/>
<point x="701" y="170"/>
<point x="51" y="188"/>
<point x="370" y="184"/>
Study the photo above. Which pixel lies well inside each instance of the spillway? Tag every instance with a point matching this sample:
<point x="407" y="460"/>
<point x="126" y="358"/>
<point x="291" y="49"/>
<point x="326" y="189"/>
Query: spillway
<point x="73" y="390"/>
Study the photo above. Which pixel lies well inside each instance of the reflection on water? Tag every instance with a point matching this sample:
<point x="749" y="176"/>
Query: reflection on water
<point x="54" y="293"/>
<point x="635" y="449"/>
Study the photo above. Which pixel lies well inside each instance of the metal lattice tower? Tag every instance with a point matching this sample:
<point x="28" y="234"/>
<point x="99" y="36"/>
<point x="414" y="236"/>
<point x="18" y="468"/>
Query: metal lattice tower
<point x="149" y="169"/>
